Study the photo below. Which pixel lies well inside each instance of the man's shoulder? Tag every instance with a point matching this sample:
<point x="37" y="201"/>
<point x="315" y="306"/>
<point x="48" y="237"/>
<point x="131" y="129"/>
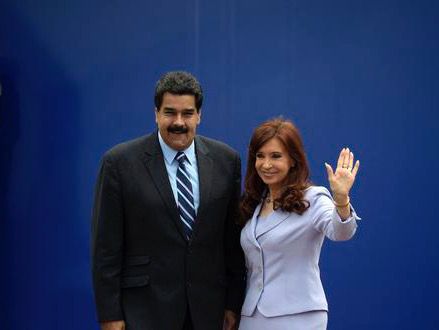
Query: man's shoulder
<point x="217" y="146"/>
<point x="129" y="147"/>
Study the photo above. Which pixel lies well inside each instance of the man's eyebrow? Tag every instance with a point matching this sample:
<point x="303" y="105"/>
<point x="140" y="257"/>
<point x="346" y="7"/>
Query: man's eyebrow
<point x="173" y="109"/>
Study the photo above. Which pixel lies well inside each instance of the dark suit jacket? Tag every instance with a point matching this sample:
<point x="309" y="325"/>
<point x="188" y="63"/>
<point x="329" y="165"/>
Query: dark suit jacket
<point x="144" y="269"/>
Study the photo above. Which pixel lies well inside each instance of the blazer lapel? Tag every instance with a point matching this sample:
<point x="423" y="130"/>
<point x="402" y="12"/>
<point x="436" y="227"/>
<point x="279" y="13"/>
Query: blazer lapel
<point x="273" y="220"/>
<point x="155" y="165"/>
<point x="250" y="231"/>
<point x="205" y="170"/>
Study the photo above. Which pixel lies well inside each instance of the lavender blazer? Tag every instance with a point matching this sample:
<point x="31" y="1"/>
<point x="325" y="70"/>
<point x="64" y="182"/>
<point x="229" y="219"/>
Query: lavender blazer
<point x="283" y="275"/>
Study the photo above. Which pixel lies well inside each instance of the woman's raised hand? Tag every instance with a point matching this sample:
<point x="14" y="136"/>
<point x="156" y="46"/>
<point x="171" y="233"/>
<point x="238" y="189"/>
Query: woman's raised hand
<point x="343" y="178"/>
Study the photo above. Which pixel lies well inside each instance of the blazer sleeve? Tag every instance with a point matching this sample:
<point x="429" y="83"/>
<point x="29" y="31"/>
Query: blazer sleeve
<point x="234" y="256"/>
<point x="107" y="242"/>
<point x="327" y="220"/>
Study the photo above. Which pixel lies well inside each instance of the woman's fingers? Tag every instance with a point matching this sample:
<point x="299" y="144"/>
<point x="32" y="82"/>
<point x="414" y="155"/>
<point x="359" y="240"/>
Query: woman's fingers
<point x="351" y="161"/>
<point x="346" y="158"/>
<point x="356" y="167"/>
<point x="340" y="159"/>
<point x="329" y="171"/>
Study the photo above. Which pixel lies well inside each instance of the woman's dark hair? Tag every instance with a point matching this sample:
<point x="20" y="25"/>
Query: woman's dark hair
<point x="291" y="197"/>
<point x="178" y="83"/>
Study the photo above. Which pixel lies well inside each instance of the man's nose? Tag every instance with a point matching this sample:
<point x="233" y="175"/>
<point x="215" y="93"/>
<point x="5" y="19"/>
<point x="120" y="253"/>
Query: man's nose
<point x="179" y="119"/>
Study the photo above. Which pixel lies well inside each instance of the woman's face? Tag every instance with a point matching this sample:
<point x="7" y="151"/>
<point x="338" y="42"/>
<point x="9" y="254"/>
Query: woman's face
<point x="273" y="163"/>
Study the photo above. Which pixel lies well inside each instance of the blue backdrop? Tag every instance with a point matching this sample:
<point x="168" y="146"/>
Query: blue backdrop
<point x="77" y="77"/>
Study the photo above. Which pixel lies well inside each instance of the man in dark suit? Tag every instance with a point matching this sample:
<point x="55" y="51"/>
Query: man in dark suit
<point x="165" y="245"/>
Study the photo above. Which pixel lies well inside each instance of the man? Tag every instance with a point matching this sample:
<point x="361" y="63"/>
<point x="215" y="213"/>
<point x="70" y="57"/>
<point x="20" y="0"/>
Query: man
<point x="165" y="246"/>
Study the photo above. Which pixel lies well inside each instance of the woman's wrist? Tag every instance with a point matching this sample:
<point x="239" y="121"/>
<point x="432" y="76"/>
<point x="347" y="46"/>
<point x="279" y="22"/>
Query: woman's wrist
<point x="341" y="202"/>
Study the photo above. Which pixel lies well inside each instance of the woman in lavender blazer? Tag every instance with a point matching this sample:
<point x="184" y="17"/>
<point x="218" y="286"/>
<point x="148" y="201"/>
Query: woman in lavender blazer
<point x="286" y="220"/>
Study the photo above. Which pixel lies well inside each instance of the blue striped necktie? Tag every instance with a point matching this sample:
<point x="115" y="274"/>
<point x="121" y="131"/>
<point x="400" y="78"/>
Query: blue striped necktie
<point x="186" y="205"/>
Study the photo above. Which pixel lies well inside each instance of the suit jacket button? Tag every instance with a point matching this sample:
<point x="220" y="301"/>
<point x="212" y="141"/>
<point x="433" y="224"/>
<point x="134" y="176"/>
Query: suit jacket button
<point x="188" y="284"/>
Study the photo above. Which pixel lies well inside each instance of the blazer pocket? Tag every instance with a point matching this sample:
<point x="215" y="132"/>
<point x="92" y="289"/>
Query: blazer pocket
<point x="134" y="281"/>
<point x="135" y="266"/>
<point x="137" y="260"/>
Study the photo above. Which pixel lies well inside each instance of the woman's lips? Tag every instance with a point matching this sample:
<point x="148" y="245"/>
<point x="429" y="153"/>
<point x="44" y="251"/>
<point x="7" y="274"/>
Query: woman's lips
<point x="269" y="173"/>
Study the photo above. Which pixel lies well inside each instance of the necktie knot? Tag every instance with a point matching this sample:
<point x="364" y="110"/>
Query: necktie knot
<point x="180" y="157"/>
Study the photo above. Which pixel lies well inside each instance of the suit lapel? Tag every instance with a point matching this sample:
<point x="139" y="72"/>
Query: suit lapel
<point x="273" y="220"/>
<point x="205" y="170"/>
<point x="155" y="165"/>
<point x="250" y="231"/>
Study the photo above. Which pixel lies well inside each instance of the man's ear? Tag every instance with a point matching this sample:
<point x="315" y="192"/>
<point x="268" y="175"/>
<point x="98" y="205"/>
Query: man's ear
<point x="156" y="112"/>
<point x="199" y="117"/>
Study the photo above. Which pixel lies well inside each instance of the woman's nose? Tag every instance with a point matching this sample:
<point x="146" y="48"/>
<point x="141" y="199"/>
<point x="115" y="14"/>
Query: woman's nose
<point x="267" y="164"/>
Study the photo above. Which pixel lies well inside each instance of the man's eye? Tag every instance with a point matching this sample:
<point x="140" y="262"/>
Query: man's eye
<point x="188" y="114"/>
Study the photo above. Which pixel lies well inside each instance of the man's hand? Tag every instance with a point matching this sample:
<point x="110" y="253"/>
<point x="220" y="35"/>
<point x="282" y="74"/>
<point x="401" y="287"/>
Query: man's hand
<point x="230" y="320"/>
<point x="113" y="325"/>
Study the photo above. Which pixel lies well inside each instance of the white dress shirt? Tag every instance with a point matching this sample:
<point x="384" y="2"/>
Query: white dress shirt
<point x="190" y="165"/>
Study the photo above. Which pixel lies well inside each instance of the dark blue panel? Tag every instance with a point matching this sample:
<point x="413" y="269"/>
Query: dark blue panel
<point x="78" y="77"/>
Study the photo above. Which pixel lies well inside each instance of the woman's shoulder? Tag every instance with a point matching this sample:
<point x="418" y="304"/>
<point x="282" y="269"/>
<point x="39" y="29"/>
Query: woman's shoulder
<point x="313" y="192"/>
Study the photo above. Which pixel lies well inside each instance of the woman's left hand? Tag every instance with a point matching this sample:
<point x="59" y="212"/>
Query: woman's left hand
<point x="342" y="180"/>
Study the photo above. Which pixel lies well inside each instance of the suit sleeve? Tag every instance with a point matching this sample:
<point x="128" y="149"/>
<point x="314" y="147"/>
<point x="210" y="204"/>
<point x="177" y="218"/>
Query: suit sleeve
<point x="327" y="220"/>
<point x="234" y="256"/>
<point x="107" y="242"/>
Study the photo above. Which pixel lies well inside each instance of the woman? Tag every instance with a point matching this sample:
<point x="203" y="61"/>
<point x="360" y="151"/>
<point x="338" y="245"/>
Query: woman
<point x="286" y="220"/>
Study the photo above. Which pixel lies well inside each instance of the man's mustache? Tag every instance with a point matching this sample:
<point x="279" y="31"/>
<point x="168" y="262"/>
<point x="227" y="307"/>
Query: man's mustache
<point x="177" y="129"/>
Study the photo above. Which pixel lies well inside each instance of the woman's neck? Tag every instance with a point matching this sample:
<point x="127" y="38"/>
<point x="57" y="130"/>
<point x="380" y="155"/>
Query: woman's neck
<point x="273" y="193"/>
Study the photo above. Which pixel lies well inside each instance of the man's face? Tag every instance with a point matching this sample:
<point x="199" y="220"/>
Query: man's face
<point x="177" y="120"/>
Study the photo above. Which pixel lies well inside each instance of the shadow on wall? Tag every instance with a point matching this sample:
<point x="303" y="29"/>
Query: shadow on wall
<point x="43" y="254"/>
<point x="9" y="132"/>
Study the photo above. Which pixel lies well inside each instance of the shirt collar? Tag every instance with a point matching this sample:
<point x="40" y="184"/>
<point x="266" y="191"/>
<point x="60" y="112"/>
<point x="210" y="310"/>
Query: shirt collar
<point x="170" y="153"/>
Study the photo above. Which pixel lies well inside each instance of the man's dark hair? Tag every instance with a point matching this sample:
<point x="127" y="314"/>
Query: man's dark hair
<point x="178" y="83"/>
